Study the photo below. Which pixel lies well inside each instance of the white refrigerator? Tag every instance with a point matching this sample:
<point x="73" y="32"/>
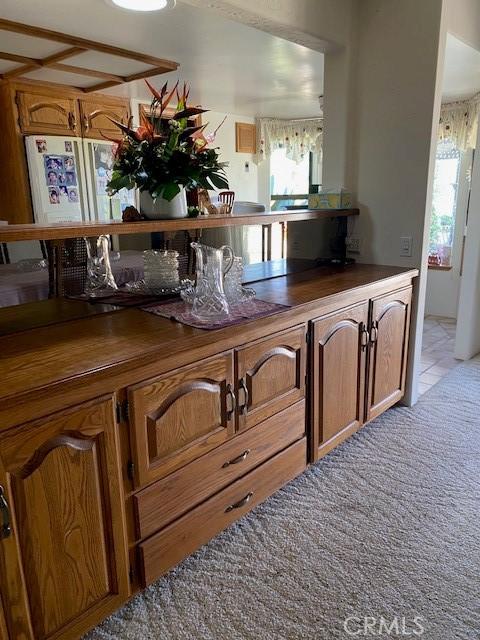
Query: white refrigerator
<point x="68" y="179"/>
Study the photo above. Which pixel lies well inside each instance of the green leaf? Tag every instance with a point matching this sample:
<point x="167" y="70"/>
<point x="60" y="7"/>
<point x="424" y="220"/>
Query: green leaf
<point x="170" y="190"/>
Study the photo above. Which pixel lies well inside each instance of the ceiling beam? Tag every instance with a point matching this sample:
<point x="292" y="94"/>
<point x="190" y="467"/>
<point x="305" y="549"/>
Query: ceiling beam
<point x="13" y="57"/>
<point x="81" y="71"/>
<point x="44" y="62"/>
<point x="83" y="43"/>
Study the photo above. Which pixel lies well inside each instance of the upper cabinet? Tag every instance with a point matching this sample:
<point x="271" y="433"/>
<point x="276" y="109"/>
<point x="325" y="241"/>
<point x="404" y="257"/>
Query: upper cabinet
<point x="96" y="117"/>
<point x="389" y="331"/>
<point x="50" y="114"/>
<point x="63" y="548"/>
<point x="47" y="114"/>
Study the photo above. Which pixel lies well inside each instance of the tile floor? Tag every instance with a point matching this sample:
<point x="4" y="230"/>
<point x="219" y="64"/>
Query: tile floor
<point x="437" y="350"/>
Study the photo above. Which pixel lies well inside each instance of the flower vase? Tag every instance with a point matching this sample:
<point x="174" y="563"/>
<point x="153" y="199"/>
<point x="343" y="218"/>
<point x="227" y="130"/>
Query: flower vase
<point x="161" y="209"/>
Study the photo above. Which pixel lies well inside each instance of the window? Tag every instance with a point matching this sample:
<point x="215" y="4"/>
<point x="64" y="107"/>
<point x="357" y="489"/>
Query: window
<point x="288" y="178"/>
<point x="444" y="204"/>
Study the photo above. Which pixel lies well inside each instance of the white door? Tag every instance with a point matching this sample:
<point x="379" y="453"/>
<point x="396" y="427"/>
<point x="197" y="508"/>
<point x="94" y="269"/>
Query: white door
<point x="99" y="159"/>
<point x="57" y="179"/>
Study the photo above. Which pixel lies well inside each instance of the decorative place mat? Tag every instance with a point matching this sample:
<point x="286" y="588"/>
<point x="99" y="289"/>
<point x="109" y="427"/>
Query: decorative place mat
<point x="122" y="298"/>
<point x="250" y="310"/>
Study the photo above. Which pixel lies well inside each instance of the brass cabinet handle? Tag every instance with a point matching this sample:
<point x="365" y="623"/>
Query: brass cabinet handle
<point x="72" y="121"/>
<point x="233" y="400"/>
<point x="236" y="460"/>
<point x="5" y="528"/>
<point x="364" y="337"/>
<point x="373" y="333"/>
<point x="244" y="407"/>
<point x="240" y="503"/>
<point x="86" y="125"/>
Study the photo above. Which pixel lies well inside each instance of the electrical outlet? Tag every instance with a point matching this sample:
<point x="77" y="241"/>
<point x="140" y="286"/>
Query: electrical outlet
<point x="353" y="244"/>
<point x="406" y="246"/>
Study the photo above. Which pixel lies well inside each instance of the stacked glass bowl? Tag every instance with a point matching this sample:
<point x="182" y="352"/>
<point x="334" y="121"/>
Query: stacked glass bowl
<point x="161" y="269"/>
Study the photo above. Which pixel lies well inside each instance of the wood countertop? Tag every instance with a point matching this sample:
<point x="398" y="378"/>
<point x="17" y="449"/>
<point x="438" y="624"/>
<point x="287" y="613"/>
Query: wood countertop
<point x="63" y="230"/>
<point x="104" y="352"/>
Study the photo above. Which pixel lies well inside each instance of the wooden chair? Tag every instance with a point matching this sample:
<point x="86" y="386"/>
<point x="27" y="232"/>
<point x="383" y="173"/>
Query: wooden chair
<point x="228" y="198"/>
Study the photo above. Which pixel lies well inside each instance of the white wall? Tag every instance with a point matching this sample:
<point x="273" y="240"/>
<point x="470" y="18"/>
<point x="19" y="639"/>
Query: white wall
<point x="467" y="342"/>
<point x="245" y="184"/>
<point x="397" y="110"/>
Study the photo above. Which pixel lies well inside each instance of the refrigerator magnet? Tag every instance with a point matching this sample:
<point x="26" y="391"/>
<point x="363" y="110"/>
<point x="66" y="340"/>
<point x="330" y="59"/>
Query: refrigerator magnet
<point x="41" y="145"/>
<point x="53" y="195"/>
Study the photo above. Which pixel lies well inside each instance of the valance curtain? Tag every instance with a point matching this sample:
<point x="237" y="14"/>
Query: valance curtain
<point x="459" y="122"/>
<point x="297" y="137"/>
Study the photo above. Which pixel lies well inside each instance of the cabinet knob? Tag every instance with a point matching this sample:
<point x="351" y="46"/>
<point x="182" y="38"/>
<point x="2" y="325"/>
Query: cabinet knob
<point x="240" y="458"/>
<point x="86" y="124"/>
<point x="244" y="407"/>
<point x="72" y="121"/>
<point x="364" y="337"/>
<point x="374" y="333"/>
<point x="233" y="402"/>
<point x="240" y="503"/>
<point x="5" y="528"/>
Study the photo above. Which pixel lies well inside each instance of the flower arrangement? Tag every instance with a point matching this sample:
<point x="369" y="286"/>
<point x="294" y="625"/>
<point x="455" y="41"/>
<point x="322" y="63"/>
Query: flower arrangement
<point x="162" y="155"/>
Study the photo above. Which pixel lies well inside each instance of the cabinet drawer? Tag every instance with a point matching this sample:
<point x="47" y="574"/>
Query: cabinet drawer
<point x="172" y="496"/>
<point x="167" y="548"/>
<point x="271" y="375"/>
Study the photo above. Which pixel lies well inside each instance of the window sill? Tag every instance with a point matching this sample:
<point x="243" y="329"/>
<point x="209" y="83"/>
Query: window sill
<point x="440" y="267"/>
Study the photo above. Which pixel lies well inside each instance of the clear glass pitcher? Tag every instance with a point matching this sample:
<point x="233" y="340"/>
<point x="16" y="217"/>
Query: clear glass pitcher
<point x="209" y="301"/>
<point x="100" y="281"/>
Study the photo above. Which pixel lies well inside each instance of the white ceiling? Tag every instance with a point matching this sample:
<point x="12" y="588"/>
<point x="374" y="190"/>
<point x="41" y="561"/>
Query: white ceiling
<point x="231" y="67"/>
<point x="461" y="75"/>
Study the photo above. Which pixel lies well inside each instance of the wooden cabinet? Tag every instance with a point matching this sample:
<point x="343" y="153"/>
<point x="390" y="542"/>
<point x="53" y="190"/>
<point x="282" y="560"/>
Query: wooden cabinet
<point x="47" y="114"/>
<point x="164" y="550"/>
<point x="389" y="331"/>
<point x="50" y="114"/>
<point x="159" y="504"/>
<point x="63" y="561"/>
<point x="339" y="353"/>
<point x="358" y="358"/>
<point x="270" y="376"/>
<point x="96" y="117"/>
<point x="181" y="415"/>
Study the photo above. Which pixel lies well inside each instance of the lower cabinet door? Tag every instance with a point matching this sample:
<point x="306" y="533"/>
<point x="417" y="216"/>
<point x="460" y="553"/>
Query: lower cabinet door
<point x="63" y="545"/>
<point x="181" y="415"/>
<point x="390" y="327"/>
<point x="271" y="376"/>
<point x="339" y="350"/>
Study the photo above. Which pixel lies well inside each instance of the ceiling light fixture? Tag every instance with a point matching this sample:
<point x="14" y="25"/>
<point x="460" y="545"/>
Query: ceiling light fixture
<point x="143" y="5"/>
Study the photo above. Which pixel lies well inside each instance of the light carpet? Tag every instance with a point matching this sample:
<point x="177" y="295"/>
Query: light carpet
<point x="386" y="525"/>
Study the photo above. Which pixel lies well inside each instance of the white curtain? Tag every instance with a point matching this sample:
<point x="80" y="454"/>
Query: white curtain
<point x="459" y="122"/>
<point x="297" y="137"/>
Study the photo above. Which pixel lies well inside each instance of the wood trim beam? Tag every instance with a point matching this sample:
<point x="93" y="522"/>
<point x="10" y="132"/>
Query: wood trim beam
<point x="83" y="43"/>
<point x="13" y="57"/>
<point x="81" y="71"/>
<point x="44" y="62"/>
<point x="102" y="85"/>
<point x="134" y="76"/>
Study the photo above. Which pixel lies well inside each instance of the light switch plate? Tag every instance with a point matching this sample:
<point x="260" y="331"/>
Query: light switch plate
<point x="406" y="246"/>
